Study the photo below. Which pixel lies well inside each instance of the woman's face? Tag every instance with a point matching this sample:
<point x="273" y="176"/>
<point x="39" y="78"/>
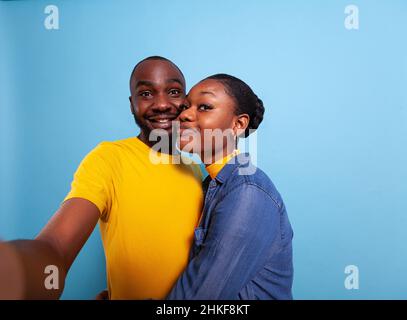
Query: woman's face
<point x="208" y="121"/>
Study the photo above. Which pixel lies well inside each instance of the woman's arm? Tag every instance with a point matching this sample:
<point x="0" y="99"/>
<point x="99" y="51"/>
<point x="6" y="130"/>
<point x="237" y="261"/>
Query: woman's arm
<point x="244" y="229"/>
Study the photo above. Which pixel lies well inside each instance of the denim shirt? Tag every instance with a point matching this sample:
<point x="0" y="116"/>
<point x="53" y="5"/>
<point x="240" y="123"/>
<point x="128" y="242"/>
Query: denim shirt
<point x="242" y="247"/>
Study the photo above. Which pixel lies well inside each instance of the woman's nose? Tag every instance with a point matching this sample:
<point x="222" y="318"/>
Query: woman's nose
<point x="187" y="115"/>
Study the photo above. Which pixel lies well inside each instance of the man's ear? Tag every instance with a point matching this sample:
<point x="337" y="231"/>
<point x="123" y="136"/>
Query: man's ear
<point x="131" y="106"/>
<point x="241" y="123"/>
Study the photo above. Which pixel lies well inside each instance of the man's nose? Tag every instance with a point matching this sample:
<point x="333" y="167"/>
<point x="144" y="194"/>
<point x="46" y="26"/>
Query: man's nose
<point x="161" y="103"/>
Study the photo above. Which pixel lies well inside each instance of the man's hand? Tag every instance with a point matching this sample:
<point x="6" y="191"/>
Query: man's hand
<point x="11" y="274"/>
<point x="104" y="295"/>
<point x="25" y="264"/>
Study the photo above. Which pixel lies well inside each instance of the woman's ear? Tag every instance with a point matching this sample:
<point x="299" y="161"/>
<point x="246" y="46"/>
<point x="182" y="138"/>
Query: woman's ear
<point x="241" y="123"/>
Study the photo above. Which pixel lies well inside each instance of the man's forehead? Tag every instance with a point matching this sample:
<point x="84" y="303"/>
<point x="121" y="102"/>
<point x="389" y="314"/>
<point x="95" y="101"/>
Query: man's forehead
<point x="157" y="69"/>
<point x="166" y="81"/>
<point x="156" y="73"/>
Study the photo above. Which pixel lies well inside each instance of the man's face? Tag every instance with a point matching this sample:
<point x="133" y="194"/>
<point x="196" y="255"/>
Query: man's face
<point x="158" y="90"/>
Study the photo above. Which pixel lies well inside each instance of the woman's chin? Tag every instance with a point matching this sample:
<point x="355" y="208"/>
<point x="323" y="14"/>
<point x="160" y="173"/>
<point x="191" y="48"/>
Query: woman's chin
<point x="188" y="144"/>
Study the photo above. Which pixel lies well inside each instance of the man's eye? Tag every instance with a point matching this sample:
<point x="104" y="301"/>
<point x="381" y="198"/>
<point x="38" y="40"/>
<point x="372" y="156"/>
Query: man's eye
<point x="204" y="107"/>
<point x="175" y="92"/>
<point x="145" y="93"/>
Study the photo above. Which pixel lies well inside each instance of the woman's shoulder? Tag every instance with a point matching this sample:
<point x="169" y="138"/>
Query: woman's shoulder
<point x="255" y="177"/>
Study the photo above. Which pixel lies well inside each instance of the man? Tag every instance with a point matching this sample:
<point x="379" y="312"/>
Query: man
<point x="147" y="212"/>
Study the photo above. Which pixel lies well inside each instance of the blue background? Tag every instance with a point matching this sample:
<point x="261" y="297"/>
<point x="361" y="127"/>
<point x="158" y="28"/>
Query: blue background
<point x="333" y="140"/>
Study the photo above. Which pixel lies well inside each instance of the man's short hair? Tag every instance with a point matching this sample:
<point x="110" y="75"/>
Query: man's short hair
<point x="152" y="58"/>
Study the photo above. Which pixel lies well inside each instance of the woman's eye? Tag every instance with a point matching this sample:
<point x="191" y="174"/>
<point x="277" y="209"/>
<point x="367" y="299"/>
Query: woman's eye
<point x="204" y="107"/>
<point x="175" y="92"/>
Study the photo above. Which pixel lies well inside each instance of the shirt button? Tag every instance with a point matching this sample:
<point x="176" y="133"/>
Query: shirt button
<point x="212" y="184"/>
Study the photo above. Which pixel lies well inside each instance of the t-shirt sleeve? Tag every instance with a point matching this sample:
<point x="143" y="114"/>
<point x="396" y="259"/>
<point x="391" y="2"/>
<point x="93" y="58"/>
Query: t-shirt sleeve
<point x="93" y="179"/>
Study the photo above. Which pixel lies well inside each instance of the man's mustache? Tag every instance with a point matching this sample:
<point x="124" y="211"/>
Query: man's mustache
<point x="162" y="115"/>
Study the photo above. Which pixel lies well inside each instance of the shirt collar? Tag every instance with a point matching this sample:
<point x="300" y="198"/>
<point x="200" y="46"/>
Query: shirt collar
<point x="216" y="167"/>
<point x="240" y="160"/>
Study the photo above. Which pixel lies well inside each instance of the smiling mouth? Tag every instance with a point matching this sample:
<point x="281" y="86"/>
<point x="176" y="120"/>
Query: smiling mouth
<point x="162" y="118"/>
<point x="161" y="121"/>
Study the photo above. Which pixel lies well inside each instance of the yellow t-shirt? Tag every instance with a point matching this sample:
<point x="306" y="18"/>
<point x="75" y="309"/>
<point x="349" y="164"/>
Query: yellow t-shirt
<point x="148" y="215"/>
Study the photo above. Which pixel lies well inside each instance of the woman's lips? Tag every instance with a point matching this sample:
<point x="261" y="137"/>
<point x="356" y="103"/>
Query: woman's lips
<point x="188" y="130"/>
<point x="188" y="133"/>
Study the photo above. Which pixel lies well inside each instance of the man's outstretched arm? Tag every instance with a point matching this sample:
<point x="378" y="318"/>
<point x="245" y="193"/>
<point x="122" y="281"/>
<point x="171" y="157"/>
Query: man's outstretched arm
<point x="23" y="263"/>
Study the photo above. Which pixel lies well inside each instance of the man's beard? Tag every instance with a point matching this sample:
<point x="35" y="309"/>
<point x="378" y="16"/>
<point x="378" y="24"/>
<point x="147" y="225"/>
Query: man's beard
<point x="143" y="128"/>
<point x="146" y="132"/>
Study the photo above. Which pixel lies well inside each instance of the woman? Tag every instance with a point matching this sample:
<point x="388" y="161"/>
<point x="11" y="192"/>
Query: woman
<point x="242" y="247"/>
